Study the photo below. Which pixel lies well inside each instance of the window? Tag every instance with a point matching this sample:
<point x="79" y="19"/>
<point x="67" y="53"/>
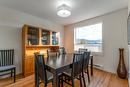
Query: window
<point x="88" y="37"/>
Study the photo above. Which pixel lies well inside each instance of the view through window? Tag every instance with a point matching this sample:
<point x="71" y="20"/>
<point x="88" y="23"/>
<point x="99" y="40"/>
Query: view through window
<point x="88" y="37"/>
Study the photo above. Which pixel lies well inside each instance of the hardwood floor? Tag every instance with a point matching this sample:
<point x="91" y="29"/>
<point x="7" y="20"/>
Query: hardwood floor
<point x="99" y="79"/>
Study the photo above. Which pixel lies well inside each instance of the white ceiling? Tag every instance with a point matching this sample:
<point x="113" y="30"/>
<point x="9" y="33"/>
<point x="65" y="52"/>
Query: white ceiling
<point x="81" y="9"/>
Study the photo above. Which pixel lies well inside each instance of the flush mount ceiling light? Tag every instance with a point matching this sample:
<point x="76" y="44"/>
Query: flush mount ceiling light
<point x="63" y="11"/>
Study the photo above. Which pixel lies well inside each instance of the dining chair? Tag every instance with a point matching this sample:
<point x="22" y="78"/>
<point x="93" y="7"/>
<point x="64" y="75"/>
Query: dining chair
<point x="85" y="65"/>
<point x="75" y="71"/>
<point x="82" y="50"/>
<point x="61" y="50"/>
<point x="51" y="53"/>
<point x="40" y="71"/>
<point x="7" y="63"/>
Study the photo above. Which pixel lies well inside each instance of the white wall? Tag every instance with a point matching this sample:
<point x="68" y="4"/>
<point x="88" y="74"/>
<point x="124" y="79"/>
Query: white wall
<point x="129" y="65"/>
<point x="114" y="37"/>
<point x="128" y="6"/>
<point x="129" y="47"/>
<point x="11" y="23"/>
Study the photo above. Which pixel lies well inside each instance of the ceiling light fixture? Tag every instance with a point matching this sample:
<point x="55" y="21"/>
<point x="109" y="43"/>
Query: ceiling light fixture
<point x="63" y="11"/>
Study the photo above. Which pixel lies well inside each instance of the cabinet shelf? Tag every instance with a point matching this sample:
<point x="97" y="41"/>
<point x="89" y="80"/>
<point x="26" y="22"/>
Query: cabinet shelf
<point x="41" y="46"/>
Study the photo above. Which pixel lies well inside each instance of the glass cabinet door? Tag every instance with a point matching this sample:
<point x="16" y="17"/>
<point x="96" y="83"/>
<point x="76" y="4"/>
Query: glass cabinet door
<point x="45" y="37"/>
<point x="55" y="39"/>
<point x="33" y="36"/>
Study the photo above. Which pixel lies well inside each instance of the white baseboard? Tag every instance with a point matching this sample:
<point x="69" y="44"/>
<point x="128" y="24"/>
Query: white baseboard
<point x="98" y="66"/>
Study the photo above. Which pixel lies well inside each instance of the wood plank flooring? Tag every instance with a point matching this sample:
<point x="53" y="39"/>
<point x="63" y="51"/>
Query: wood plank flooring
<point x="99" y="79"/>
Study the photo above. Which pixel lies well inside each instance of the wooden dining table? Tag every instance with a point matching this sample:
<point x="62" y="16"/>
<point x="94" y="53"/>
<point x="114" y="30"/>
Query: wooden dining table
<point x="60" y="63"/>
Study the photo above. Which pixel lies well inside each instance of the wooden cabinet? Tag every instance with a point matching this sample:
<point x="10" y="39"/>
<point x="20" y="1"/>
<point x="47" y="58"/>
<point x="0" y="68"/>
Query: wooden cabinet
<point x="35" y="39"/>
<point x="29" y="63"/>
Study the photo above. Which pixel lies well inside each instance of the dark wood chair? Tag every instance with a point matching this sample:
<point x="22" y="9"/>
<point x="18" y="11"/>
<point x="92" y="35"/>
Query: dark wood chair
<point x="6" y="63"/>
<point x="41" y="73"/>
<point x="82" y="50"/>
<point x="85" y="65"/>
<point x="51" y="53"/>
<point x="75" y="71"/>
<point x="61" y="51"/>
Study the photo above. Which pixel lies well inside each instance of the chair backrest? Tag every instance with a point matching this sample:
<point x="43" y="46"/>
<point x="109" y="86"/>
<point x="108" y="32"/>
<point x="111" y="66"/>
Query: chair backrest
<point x="40" y="67"/>
<point x="6" y="57"/>
<point x="77" y="64"/>
<point x="61" y="50"/>
<point x="51" y="53"/>
<point x="82" y="50"/>
<point x="86" y="57"/>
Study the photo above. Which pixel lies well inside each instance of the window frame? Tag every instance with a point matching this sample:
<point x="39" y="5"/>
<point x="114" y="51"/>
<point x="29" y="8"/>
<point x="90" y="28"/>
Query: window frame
<point x="93" y="53"/>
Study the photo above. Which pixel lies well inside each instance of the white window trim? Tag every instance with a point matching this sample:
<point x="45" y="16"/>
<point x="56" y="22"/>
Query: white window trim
<point x="93" y="53"/>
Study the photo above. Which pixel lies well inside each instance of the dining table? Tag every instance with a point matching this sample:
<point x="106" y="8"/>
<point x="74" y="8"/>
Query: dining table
<point x="60" y="63"/>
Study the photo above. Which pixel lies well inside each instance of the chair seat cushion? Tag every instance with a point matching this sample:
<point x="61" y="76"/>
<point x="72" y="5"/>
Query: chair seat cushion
<point x="67" y="72"/>
<point x="4" y="68"/>
<point x="49" y="76"/>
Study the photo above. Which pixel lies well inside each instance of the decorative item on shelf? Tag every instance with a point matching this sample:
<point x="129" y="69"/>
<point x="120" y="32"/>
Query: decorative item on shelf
<point x="121" y="70"/>
<point x="29" y="43"/>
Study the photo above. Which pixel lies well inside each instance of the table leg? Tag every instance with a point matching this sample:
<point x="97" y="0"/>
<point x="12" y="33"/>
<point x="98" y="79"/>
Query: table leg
<point x="91" y="65"/>
<point x="55" y="80"/>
